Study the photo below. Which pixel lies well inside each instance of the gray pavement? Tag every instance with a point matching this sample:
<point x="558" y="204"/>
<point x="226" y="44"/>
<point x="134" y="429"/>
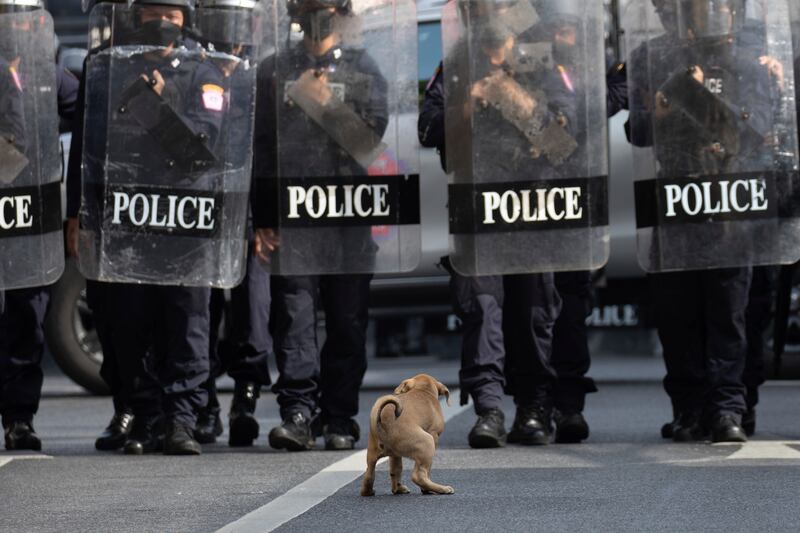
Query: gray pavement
<point x="624" y="478"/>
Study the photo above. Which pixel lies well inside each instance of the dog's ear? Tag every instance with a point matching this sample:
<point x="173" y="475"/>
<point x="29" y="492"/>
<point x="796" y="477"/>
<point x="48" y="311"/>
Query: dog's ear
<point x="443" y="390"/>
<point x="405" y="386"/>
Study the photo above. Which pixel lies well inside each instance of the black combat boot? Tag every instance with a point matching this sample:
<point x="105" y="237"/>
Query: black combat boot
<point x="146" y="435"/>
<point x="689" y="427"/>
<point x="489" y="430"/>
<point x="294" y="434"/>
<point x="20" y="435"/>
<point x="668" y="429"/>
<point x="179" y="440"/>
<point x="209" y="426"/>
<point x="571" y="428"/>
<point x="531" y="426"/>
<point x="116" y="433"/>
<point x="243" y="425"/>
<point x="341" y="434"/>
<point x="726" y="429"/>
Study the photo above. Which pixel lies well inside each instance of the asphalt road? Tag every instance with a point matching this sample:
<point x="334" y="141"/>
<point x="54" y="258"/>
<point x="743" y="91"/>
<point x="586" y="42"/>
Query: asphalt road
<point x="624" y="478"/>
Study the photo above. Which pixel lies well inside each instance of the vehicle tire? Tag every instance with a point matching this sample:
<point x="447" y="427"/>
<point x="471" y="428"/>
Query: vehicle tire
<point x="70" y="333"/>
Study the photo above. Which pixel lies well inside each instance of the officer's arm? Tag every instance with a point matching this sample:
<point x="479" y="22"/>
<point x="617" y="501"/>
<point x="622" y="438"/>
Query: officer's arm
<point x="76" y="149"/>
<point x="639" y="127"/>
<point x="430" y="126"/>
<point x="68" y="87"/>
<point x="563" y="102"/>
<point x="377" y="112"/>
<point x="12" y="109"/>
<point x="617" y="87"/>
<point x="263" y="201"/>
<point x="207" y="109"/>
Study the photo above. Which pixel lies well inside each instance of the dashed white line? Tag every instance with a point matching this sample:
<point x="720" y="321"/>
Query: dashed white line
<point x="314" y="490"/>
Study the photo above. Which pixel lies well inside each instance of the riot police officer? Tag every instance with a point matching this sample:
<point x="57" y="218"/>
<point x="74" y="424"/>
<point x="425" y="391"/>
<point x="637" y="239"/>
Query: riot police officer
<point x="154" y="325"/>
<point x="701" y="313"/>
<point x="247" y="345"/>
<point x="328" y="380"/>
<point x="22" y="314"/>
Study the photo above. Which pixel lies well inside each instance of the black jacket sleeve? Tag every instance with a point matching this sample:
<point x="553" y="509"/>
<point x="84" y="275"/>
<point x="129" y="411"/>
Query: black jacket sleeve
<point x="617" y="87"/>
<point x="265" y="158"/>
<point x="68" y="87"/>
<point x="430" y="126"/>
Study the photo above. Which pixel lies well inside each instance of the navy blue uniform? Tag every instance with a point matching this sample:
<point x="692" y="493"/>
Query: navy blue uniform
<point x="156" y="335"/>
<point x="22" y="315"/>
<point x="701" y="314"/>
<point x="329" y="379"/>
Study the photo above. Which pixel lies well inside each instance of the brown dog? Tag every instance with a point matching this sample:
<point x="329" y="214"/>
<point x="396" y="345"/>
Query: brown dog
<point x="407" y="424"/>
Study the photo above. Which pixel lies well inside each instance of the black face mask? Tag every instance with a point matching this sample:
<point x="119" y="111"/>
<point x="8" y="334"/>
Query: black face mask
<point x="318" y="25"/>
<point x="159" y="33"/>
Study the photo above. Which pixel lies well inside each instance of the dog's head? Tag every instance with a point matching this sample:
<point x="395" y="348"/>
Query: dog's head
<point x="424" y="382"/>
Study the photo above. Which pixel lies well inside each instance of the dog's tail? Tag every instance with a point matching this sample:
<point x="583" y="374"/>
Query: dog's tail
<point x="382" y="402"/>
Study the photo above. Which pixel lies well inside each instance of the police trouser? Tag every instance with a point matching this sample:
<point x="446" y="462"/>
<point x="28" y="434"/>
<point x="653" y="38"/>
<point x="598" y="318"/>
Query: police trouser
<point x="308" y="378"/>
<point x="507" y="324"/>
<point x="757" y="316"/>
<point x="570" y="357"/>
<point x="21" y="350"/>
<point x="700" y="317"/>
<point x="160" y="337"/>
<point x="244" y="353"/>
<point x="97" y="299"/>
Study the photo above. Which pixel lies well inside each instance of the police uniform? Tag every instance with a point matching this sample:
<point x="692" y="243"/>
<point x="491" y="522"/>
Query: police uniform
<point x="328" y="379"/>
<point x="701" y="314"/>
<point x="22" y="316"/>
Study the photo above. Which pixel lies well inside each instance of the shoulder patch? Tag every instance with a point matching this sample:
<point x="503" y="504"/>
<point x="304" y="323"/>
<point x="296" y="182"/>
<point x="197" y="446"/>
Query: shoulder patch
<point x="213" y="97"/>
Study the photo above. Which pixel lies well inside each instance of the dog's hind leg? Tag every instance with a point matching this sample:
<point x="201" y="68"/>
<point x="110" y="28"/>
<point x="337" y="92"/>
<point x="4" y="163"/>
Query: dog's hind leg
<point x="369" y="476"/>
<point x="422" y="468"/>
<point x="396" y="473"/>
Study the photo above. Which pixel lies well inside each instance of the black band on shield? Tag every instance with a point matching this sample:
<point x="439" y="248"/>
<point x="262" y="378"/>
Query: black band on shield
<point x="30" y="210"/>
<point x="338" y="201"/>
<point x="478" y="208"/>
<point x="709" y="199"/>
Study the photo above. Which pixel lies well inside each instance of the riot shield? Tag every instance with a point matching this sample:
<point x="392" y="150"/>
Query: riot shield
<point x="337" y="157"/>
<point x="526" y="136"/>
<point x="714" y="128"/>
<point x="31" y="243"/>
<point x="167" y="162"/>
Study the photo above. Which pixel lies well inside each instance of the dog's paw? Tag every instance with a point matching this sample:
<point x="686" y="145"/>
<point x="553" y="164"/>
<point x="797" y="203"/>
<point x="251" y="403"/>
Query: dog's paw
<point x="448" y="490"/>
<point x="401" y="489"/>
<point x="367" y="492"/>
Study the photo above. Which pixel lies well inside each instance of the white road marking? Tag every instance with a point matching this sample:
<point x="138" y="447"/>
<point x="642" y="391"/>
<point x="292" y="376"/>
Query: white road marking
<point x="4" y="460"/>
<point x="314" y="490"/>
<point x="766" y="449"/>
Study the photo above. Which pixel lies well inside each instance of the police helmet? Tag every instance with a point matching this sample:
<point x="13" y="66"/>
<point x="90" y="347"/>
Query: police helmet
<point x="17" y="6"/>
<point x="701" y="19"/>
<point x="227" y="23"/>
<point x="88" y="5"/>
<point x="297" y="8"/>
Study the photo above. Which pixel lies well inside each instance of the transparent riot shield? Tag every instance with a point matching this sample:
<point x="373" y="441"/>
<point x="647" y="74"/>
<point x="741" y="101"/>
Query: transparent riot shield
<point x="167" y="162"/>
<point x="31" y="242"/>
<point x="526" y="136"/>
<point x="337" y="164"/>
<point x="713" y="123"/>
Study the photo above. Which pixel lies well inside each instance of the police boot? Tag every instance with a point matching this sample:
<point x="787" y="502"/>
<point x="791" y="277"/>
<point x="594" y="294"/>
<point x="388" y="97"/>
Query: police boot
<point x="689" y="427"/>
<point x="489" y="430"/>
<point x="749" y="422"/>
<point x="179" y="440"/>
<point x="208" y="427"/>
<point x="726" y="429"/>
<point x="531" y="426"/>
<point x="294" y="434"/>
<point x="146" y="435"/>
<point x="20" y="435"/>
<point x="243" y="425"/>
<point x="571" y="428"/>
<point x="668" y="429"/>
<point x="116" y="433"/>
<point x="341" y="434"/>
